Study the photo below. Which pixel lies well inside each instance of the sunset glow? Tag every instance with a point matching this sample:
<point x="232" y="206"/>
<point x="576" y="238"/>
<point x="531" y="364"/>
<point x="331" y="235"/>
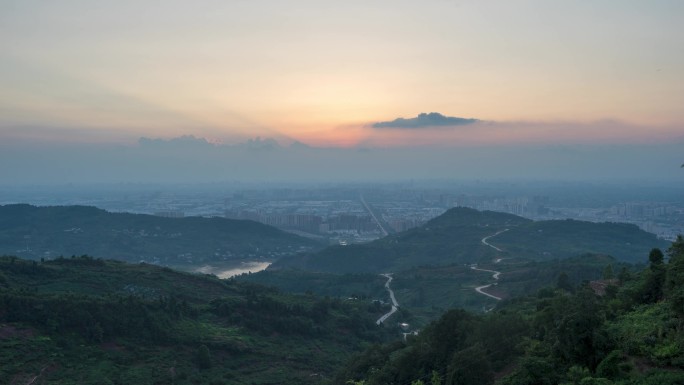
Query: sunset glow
<point x="268" y="89"/>
<point x="320" y="74"/>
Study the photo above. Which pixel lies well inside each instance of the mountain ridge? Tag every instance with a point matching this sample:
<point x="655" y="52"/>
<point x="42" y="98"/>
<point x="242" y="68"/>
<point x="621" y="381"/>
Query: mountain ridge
<point x="465" y="235"/>
<point x="36" y="232"/>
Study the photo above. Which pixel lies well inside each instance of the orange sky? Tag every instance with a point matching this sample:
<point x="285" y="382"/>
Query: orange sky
<point x="321" y="73"/>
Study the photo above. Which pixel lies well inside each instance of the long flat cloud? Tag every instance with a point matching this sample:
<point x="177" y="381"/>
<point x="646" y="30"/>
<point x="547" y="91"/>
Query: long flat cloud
<point x="433" y="119"/>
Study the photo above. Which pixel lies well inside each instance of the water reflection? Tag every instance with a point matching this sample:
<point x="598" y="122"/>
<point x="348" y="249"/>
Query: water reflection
<point x="227" y="272"/>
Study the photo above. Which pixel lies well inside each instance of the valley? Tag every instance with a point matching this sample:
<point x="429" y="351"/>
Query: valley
<point x="340" y="300"/>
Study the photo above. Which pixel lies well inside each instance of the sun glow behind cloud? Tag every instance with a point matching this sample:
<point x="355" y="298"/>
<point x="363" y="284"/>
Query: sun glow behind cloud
<point x="323" y="73"/>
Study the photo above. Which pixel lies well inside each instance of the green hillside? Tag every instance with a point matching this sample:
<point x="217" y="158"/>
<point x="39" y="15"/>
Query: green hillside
<point x="88" y="321"/>
<point x="426" y="292"/>
<point x="322" y="284"/>
<point x="47" y="232"/>
<point x="566" y="238"/>
<point x="624" y="331"/>
<point x="456" y="237"/>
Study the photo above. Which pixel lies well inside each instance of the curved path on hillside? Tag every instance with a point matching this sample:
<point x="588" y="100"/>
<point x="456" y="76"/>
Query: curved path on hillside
<point x="484" y="240"/>
<point x="395" y="304"/>
<point x="480" y="289"/>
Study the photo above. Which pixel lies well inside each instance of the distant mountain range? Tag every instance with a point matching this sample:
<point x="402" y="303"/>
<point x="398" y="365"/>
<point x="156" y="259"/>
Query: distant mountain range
<point x="464" y="236"/>
<point x="459" y="236"/>
<point x="47" y="232"/>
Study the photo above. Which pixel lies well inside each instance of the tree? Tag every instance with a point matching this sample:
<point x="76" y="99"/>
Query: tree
<point x="448" y="335"/>
<point x="435" y="379"/>
<point x="624" y="275"/>
<point x="577" y="373"/>
<point x="655" y="257"/>
<point x="470" y="366"/>
<point x="533" y="370"/>
<point x="654" y="282"/>
<point x="203" y="357"/>
<point x="563" y="282"/>
<point x="608" y="272"/>
<point x="579" y="337"/>
<point x="610" y="366"/>
<point x="674" y="283"/>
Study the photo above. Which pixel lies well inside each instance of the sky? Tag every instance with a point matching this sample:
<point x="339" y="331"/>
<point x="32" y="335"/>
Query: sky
<point x="498" y="77"/>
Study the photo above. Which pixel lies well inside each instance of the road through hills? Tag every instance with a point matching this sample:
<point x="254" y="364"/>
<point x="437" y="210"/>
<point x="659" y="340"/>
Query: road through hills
<point x="395" y="304"/>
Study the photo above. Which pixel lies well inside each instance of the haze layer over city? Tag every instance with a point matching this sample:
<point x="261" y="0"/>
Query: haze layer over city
<point x="264" y="110"/>
<point x="492" y="106"/>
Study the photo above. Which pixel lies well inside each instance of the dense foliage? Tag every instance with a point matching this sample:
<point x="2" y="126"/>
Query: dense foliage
<point x="38" y="232"/>
<point x="612" y="331"/>
<point x="84" y="320"/>
<point x="425" y="292"/>
<point x="456" y="238"/>
<point x="359" y="286"/>
<point x="567" y="238"/>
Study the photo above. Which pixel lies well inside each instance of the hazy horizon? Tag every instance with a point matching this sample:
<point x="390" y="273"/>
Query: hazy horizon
<point x="194" y="160"/>
<point x="209" y="91"/>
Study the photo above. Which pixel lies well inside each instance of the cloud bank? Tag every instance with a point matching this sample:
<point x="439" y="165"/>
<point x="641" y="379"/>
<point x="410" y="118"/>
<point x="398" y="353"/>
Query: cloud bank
<point x="424" y="120"/>
<point x="195" y="160"/>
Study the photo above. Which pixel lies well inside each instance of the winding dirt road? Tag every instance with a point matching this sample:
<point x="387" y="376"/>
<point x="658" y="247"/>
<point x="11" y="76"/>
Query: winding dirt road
<point x="480" y="289"/>
<point x="484" y="240"/>
<point x="395" y="304"/>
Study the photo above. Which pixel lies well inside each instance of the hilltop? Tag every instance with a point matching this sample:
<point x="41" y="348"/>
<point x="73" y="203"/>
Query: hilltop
<point x="47" y="232"/>
<point x="459" y="235"/>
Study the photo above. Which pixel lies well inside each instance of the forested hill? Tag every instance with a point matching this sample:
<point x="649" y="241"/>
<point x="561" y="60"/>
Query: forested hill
<point x="37" y="232"/>
<point x="567" y="238"/>
<point x="452" y="237"/>
<point x="82" y="320"/>
<point x="624" y="331"/>
<point x="456" y="237"/>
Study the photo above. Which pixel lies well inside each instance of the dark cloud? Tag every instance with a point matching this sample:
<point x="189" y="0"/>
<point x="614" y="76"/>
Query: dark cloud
<point x="433" y="119"/>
